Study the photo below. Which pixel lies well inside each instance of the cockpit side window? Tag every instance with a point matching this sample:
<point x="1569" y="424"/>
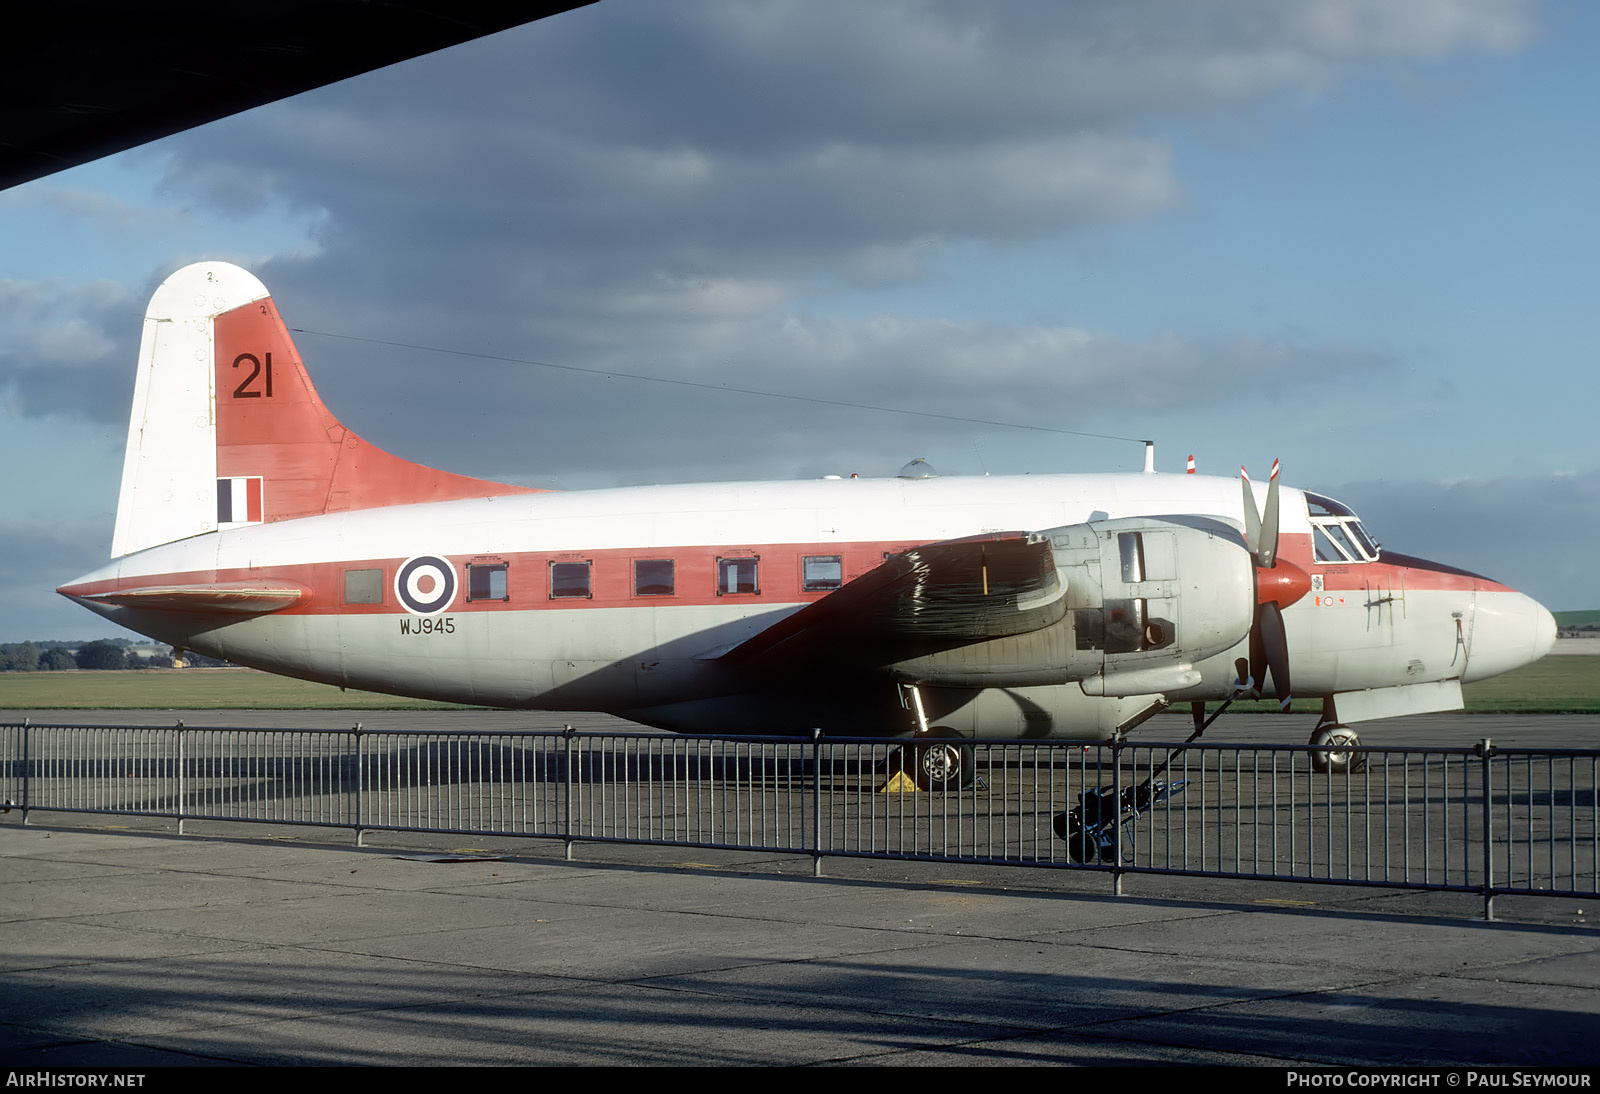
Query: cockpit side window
<point x="1336" y="532"/>
<point x="1364" y="541"/>
<point x="1326" y="549"/>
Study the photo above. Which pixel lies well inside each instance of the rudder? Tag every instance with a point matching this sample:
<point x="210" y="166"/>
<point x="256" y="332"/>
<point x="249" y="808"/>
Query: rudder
<point x="227" y="429"/>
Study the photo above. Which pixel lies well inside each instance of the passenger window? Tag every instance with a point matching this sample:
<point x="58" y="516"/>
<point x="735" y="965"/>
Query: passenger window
<point x="487" y="581"/>
<point x="821" y="573"/>
<point x="569" y="579"/>
<point x="363" y="586"/>
<point x="737" y="576"/>
<point x="653" y="577"/>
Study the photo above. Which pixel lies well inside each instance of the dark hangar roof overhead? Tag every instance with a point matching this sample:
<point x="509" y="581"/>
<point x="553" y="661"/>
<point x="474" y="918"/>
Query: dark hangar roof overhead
<point x="86" y="78"/>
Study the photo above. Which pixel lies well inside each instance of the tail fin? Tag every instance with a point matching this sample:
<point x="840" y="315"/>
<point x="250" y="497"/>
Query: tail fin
<point x="228" y="430"/>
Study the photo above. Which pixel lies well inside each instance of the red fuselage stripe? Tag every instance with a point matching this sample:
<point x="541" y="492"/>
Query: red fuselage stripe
<point x="532" y="580"/>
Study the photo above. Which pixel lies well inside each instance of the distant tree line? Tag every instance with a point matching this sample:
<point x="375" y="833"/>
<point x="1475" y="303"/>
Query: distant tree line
<point x="27" y="657"/>
<point x="104" y="653"/>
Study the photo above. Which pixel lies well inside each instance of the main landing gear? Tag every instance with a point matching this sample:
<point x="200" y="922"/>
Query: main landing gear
<point x="943" y="763"/>
<point x="940" y="759"/>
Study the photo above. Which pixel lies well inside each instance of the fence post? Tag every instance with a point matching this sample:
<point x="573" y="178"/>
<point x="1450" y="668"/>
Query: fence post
<point x="183" y="755"/>
<point x="361" y="785"/>
<point x="566" y="802"/>
<point x="27" y="766"/>
<point x="816" y="802"/>
<point x="1116" y="816"/>
<point x="1485" y="751"/>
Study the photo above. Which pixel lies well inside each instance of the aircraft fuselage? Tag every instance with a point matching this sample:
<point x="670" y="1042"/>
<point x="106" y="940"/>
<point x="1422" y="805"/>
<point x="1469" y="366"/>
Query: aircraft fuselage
<point x="620" y="600"/>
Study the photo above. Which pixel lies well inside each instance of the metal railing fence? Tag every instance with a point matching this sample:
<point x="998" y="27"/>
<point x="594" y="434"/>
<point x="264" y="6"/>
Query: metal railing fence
<point x="1474" y="819"/>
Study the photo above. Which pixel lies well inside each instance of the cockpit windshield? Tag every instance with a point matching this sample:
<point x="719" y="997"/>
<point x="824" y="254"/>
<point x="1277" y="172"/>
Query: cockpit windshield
<point x="1336" y="532"/>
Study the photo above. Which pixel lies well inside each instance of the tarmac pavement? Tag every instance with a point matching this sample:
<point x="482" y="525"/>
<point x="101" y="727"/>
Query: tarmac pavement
<point x="247" y="945"/>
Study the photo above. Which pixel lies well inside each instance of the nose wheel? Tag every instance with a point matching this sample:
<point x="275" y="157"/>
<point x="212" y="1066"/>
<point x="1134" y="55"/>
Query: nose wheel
<point x="1337" y="750"/>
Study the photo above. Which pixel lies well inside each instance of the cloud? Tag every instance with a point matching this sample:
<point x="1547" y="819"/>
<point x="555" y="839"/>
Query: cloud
<point x="35" y="558"/>
<point x="675" y="190"/>
<point x="1535" y="533"/>
<point x="68" y="349"/>
<point x="515" y="419"/>
<point x="661" y="188"/>
<point x="783" y="138"/>
<point x="1425" y="28"/>
<point x="103" y="212"/>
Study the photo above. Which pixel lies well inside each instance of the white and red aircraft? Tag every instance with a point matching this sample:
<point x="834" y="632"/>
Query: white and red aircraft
<point x="252" y="526"/>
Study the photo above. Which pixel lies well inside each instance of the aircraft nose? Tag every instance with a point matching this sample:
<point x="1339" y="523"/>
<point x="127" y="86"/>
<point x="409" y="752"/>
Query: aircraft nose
<point x="1509" y="630"/>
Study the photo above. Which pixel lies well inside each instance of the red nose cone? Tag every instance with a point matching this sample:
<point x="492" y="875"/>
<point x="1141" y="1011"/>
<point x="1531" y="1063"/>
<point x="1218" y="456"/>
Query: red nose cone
<point x="1284" y="584"/>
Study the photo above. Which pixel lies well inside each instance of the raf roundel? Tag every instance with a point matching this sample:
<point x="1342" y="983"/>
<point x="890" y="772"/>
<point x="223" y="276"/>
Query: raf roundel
<point x="425" y="584"/>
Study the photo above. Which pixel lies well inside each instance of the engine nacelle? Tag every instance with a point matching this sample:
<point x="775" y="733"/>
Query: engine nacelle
<point x="1145" y="598"/>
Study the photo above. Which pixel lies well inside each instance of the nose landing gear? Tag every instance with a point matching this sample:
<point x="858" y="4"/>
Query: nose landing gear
<point x="1338" y="750"/>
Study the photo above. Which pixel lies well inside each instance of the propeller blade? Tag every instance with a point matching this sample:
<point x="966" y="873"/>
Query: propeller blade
<point x="1267" y="550"/>
<point x="1258" y="657"/>
<point x="1275" y="647"/>
<point x="1276" y="587"/>
<point x="1252" y="516"/>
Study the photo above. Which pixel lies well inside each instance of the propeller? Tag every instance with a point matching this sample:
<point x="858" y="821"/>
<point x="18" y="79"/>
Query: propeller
<point x="1278" y="584"/>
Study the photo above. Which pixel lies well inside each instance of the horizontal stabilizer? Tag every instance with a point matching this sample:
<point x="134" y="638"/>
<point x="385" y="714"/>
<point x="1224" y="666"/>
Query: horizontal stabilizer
<point x="233" y="597"/>
<point x="947" y="593"/>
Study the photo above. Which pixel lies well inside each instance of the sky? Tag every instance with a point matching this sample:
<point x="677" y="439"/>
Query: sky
<point x="1353" y="235"/>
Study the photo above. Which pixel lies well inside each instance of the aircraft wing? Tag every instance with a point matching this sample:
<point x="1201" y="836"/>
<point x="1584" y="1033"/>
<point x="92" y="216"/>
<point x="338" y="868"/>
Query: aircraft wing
<point x="938" y="596"/>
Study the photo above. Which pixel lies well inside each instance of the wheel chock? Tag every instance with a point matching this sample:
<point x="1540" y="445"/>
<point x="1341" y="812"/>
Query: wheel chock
<point x="900" y="783"/>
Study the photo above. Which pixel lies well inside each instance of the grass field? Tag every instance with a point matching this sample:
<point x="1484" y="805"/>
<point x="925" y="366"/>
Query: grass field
<point x="187" y="689"/>
<point x="1556" y="685"/>
<point x="1559" y="685"/>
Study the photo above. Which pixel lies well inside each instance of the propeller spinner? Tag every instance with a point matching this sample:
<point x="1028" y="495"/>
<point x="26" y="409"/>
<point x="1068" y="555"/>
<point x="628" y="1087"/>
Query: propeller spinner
<point x="1278" y="584"/>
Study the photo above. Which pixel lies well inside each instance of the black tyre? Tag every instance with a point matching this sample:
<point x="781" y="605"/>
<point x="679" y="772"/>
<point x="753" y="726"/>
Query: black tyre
<point x="943" y="763"/>
<point x="1338" y="750"/>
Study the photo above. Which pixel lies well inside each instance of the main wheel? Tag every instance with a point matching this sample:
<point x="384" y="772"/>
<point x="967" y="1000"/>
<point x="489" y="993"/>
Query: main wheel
<point x="945" y="763"/>
<point x="1337" y="750"/>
